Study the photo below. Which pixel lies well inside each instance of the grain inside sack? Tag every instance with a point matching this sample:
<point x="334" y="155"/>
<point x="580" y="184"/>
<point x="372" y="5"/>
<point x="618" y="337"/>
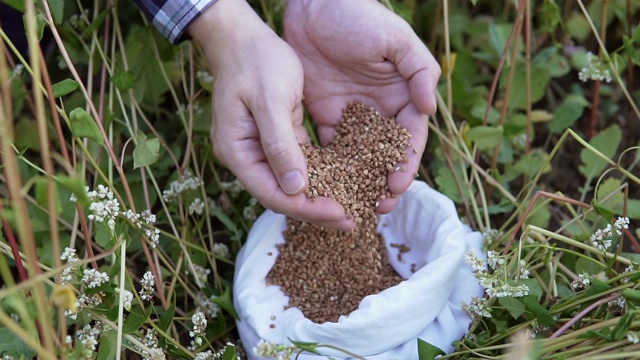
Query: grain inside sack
<point x="326" y="272"/>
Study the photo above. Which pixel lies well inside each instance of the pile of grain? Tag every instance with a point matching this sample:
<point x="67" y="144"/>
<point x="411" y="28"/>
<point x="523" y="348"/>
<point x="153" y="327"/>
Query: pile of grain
<point x="326" y="272"/>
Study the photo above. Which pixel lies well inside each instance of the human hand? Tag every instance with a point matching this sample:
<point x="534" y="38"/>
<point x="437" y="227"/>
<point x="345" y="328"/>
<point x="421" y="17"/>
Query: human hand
<point x="359" y="50"/>
<point x="257" y="111"/>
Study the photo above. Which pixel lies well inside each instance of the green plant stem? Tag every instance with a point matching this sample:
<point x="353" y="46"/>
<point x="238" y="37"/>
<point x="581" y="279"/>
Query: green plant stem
<point x="582" y="313"/>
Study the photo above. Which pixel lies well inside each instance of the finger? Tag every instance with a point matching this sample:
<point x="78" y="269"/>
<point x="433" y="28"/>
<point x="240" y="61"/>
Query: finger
<point x="404" y="173"/>
<point x="416" y="64"/>
<point x="281" y="147"/>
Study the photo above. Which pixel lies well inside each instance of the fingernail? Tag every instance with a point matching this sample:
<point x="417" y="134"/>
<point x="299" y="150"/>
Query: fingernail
<point x="292" y="182"/>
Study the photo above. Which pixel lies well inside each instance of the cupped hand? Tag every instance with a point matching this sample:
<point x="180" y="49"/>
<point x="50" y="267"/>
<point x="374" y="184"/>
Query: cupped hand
<point x="359" y="50"/>
<point x="257" y="111"/>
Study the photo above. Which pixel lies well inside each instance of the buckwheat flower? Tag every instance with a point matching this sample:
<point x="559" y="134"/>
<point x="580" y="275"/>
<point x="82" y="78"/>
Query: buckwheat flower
<point x="146" y="292"/>
<point x="84" y="301"/>
<point x="477" y="309"/>
<point x="491" y="235"/>
<point x="601" y="239"/>
<point x="197" y="206"/>
<point x="128" y="297"/>
<point x="582" y="282"/>
<point x="617" y="306"/>
<point x="207" y="305"/>
<point x="524" y="272"/>
<point x="153" y="235"/>
<point x="507" y="290"/>
<point x="220" y="250"/>
<point x="103" y="206"/>
<point x="148" y="217"/>
<point x="233" y="188"/>
<point x="206" y="355"/>
<point x="134" y="217"/>
<point x="201" y="274"/>
<point x="594" y="70"/>
<point x="273" y="351"/>
<point x="621" y="223"/>
<point x="629" y="269"/>
<point x="73" y="197"/>
<point x="476" y="264"/>
<point x="69" y="256"/>
<point x="252" y="210"/>
<point x="150" y="340"/>
<point x="93" y="278"/>
<point x="494" y="260"/>
<point x="633" y="337"/>
<point x="155" y="354"/>
<point x="177" y="187"/>
<point x="204" y="77"/>
<point x="7" y="357"/>
<point x="199" y="326"/>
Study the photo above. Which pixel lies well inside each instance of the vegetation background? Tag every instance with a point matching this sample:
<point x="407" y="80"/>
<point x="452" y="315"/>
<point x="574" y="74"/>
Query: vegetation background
<point x="536" y="139"/>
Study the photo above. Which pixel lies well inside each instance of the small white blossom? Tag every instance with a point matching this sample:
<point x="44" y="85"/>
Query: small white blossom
<point x="594" y="70"/>
<point x="199" y="326"/>
<point x="146" y="292"/>
<point x="633" y="337"/>
<point x="201" y="274"/>
<point x="582" y="282"/>
<point x="154" y="236"/>
<point x="220" y="250"/>
<point x="128" y="297"/>
<point x="148" y="217"/>
<point x="273" y="351"/>
<point x="103" y="206"/>
<point x="507" y="290"/>
<point x="207" y="305"/>
<point x="252" y="210"/>
<point x="197" y="206"/>
<point x="93" y="278"/>
<point x="233" y="188"/>
<point x="204" y="77"/>
<point x="494" y="260"/>
<point x="476" y="264"/>
<point x="621" y="223"/>
<point x="477" y="309"/>
<point x="601" y="239"/>
<point x="177" y="187"/>
<point x="83" y="302"/>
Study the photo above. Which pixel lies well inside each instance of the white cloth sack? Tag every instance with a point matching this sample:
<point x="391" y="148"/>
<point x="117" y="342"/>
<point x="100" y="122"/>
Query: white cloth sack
<point x="387" y="325"/>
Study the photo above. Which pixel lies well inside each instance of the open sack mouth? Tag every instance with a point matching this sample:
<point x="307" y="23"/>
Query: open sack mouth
<point x="426" y="305"/>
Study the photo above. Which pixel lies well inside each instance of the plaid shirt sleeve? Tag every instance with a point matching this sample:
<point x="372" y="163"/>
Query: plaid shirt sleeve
<point x="172" y="17"/>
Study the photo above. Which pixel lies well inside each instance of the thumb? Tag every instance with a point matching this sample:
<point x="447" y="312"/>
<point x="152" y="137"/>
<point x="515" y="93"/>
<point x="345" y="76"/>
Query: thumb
<point x="281" y="148"/>
<point x="418" y="66"/>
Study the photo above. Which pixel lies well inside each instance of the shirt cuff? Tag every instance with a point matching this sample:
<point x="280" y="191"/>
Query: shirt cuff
<point x="173" y="17"/>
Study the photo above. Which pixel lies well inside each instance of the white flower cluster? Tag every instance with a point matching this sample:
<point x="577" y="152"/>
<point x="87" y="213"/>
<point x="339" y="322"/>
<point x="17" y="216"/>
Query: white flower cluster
<point x="127" y="298"/>
<point x="150" y="340"/>
<point x="477" y="309"/>
<point x="210" y="355"/>
<point x="536" y="329"/>
<point x="146" y="292"/>
<point x="94" y="278"/>
<point x="177" y="187"/>
<point x="88" y="338"/>
<point x="491" y="236"/>
<point x="494" y="275"/>
<point x="233" y="188"/>
<point x="201" y="274"/>
<point x="69" y="256"/>
<point x="601" y="239"/>
<point x="629" y="269"/>
<point x="197" y="206"/>
<point x="204" y="76"/>
<point x="595" y="70"/>
<point x="273" y="351"/>
<point x="199" y="326"/>
<point x="83" y="302"/>
<point x="618" y="306"/>
<point x="632" y="337"/>
<point x="220" y="250"/>
<point x="207" y="306"/>
<point x="103" y="206"/>
<point x="582" y="282"/>
<point x="184" y="110"/>
<point x="252" y="210"/>
<point x="146" y="219"/>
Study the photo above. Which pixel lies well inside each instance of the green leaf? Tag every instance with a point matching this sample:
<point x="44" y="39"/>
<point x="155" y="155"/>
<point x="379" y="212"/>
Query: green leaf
<point x="64" y="87"/>
<point x="610" y="189"/>
<point x="485" y="137"/>
<point x="310" y="347"/>
<point x="19" y="5"/>
<point x="147" y="151"/>
<point x="57" y="10"/>
<point x="427" y="351"/>
<point x="124" y="80"/>
<point x="543" y="315"/>
<point x="166" y="319"/>
<point x="591" y="334"/>
<point x="631" y="52"/>
<point x="76" y="186"/>
<point x="108" y="342"/>
<point x="622" y="327"/>
<point x="606" y="142"/>
<point x="567" y="113"/>
<point x="225" y="302"/>
<point x="135" y="319"/>
<point x="604" y="211"/>
<point x="229" y="353"/>
<point x="42" y="194"/>
<point x="228" y="223"/>
<point x="83" y="125"/>
<point x="95" y="24"/>
<point x="513" y="306"/>
<point x="597" y="287"/>
<point x="633" y="206"/>
<point x="631" y="294"/>
<point x="40" y="24"/>
<point x="10" y="344"/>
